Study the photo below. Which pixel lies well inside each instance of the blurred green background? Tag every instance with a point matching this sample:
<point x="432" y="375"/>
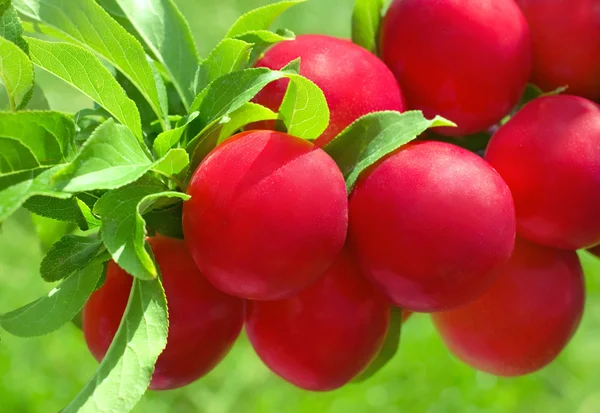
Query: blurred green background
<point x="43" y="374"/>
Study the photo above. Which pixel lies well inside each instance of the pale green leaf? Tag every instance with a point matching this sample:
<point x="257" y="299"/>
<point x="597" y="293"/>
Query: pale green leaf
<point x="110" y="158"/>
<point x="168" y="139"/>
<point x="87" y="23"/>
<point x="123" y="228"/>
<point x="172" y="163"/>
<point x="228" y="56"/>
<point x="124" y="375"/>
<point x="16" y="73"/>
<point x="84" y="71"/>
<point x="261" y="18"/>
<point x="166" y="33"/>
<point x="304" y="109"/>
<point x="50" y="136"/>
<point x="52" y="311"/>
<point x="366" y="20"/>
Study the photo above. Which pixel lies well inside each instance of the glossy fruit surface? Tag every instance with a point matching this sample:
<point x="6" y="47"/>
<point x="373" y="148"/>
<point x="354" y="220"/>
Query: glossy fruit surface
<point x="268" y="215"/>
<point x="467" y="61"/>
<point x="430" y="224"/>
<point x="326" y="335"/>
<point x="566" y="44"/>
<point x="203" y="322"/>
<point x="354" y="81"/>
<point x="549" y="155"/>
<point x="525" y="319"/>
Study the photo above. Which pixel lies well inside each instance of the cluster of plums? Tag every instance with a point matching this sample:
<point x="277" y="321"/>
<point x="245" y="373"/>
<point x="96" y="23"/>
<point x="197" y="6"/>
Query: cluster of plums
<point x="487" y="245"/>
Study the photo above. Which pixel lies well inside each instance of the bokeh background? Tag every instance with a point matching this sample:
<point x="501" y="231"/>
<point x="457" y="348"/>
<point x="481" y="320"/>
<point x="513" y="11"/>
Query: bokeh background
<point x="43" y="374"/>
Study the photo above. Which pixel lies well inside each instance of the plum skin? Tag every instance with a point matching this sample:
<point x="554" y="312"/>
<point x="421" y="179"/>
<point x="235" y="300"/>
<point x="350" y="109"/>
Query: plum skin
<point x="354" y="81"/>
<point x="326" y="335"/>
<point x="526" y="317"/>
<point x="468" y="61"/>
<point x="203" y="322"/>
<point x="548" y="154"/>
<point x="566" y="44"/>
<point x="267" y="216"/>
<point x="430" y="224"/>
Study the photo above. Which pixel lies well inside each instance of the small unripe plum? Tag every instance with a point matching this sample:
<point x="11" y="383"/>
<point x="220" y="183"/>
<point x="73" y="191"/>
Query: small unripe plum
<point x="325" y="336"/>
<point x="354" y="81"/>
<point x="525" y="319"/>
<point x="549" y="154"/>
<point x="468" y="61"/>
<point x="203" y="322"/>
<point x="430" y="224"/>
<point x="566" y="44"/>
<point x="268" y="215"/>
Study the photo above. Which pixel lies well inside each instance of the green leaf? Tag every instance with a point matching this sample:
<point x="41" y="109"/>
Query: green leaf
<point x="261" y="18"/>
<point x="247" y="114"/>
<point x="110" y="158"/>
<point x="261" y="40"/>
<point x="86" y="23"/>
<point x="16" y="73"/>
<point x="166" y="140"/>
<point x="366" y="20"/>
<point x="389" y="349"/>
<point x="123" y="228"/>
<point x="222" y="129"/>
<point x="167" y="34"/>
<point x="15" y="157"/>
<point x="80" y="68"/>
<point x="70" y="210"/>
<point x="172" y="163"/>
<point x="49" y="136"/>
<point x="11" y="28"/>
<point x="230" y="92"/>
<point x="17" y="188"/>
<point x="124" y="375"/>
<point x="69" y="255"/>
<point x="374" y="136"/>
<point x="228" y="56"/>
<point x="52" y="311"/>
<point x="304" y="109"/>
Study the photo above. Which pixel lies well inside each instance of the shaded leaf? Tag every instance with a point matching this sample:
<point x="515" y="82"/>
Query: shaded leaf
<point x="11" y="27"/>
<point x="17" y="188"/>
<point x="70" y="254"/>
<point x="70" y="210"/>
<point x="389" y="349"/>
